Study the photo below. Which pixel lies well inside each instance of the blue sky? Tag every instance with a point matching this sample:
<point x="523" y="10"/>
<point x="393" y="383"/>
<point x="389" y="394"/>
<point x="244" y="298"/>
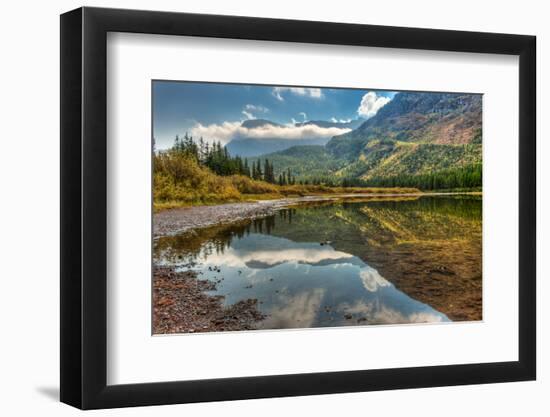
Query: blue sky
<point x="215" y="111"/>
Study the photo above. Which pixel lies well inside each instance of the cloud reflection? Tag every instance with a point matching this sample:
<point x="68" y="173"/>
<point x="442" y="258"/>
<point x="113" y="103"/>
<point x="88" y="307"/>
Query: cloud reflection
<point x="260" y="253"/>
<point x="376" y="312"/>
<point x="299" y="310"/>
<point x="306" y="284"/>
<point x="372" y="280"/>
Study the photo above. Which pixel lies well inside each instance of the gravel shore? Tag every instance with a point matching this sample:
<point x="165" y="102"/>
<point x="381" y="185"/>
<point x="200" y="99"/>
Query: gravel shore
<point x="180" y="220"/>
<point x="181" y="305"/>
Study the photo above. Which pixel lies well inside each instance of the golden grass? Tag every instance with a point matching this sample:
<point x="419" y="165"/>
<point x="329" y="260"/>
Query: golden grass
<point x="180" y="182"/>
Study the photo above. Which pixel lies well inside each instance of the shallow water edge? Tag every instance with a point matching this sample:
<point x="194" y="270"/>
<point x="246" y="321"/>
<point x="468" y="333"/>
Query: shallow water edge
<point x="327" y="263"/>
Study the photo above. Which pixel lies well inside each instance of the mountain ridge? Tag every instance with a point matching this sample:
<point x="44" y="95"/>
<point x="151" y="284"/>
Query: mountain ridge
<point x="414" y="134"/>
<point x="442" y="118"/>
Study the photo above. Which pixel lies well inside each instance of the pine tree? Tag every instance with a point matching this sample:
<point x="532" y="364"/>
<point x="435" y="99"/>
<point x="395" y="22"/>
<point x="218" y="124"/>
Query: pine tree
<point x="269" y="176"/>
<point x="202" y="152"/>
<point x="260" y="172"/>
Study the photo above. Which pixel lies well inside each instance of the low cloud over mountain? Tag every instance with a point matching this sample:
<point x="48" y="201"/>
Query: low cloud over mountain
<point x="258" y="136"/>
<point x="264" y="129"/>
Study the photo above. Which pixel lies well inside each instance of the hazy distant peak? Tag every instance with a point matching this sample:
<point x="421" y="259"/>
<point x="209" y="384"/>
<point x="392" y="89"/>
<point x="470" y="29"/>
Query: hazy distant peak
<point x="352" y="124"/>
<point x="254" y="123"/>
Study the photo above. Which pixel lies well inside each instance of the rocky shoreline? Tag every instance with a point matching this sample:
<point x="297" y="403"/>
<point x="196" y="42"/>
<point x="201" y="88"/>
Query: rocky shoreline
<point x="181" y="305"/>
<point x="185" y="219"/>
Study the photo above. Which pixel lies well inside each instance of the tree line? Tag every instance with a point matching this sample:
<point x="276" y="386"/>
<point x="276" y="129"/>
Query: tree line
<point x="470" y="176"/>
<point x="217" y="158"/>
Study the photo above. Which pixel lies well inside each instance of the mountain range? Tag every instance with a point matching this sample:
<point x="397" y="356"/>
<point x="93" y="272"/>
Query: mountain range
<point x="250" y="146"/>
<point x="415" y="133"/>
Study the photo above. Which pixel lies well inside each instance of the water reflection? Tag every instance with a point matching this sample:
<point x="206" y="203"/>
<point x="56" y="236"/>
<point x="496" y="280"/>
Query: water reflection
<point x="306" y="284"/>
<point x="302" y="264"/>
<point x="345" y="263"/>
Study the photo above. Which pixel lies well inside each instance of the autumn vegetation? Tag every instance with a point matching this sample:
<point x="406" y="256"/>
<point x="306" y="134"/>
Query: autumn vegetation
<point x="197" y="173"/>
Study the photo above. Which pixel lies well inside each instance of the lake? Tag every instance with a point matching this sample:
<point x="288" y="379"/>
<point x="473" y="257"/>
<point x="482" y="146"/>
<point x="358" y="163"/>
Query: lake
<point x="354" y="261"/>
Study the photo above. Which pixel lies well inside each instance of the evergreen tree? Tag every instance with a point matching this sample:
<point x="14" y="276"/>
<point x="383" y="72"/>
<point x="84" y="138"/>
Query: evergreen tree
<point x="202" y="153"/>
<point x="269" y="175"/>
<point x="257" y="174"/>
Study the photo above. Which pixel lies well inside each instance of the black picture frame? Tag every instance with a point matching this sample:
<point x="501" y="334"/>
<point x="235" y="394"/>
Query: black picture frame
<point x="84" y="207"/>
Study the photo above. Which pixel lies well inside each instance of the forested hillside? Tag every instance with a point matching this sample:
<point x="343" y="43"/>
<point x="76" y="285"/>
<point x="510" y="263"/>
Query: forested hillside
<point x="196" y="172"/>
<point x="415" y="135"/>
<point x="309" y="164"/>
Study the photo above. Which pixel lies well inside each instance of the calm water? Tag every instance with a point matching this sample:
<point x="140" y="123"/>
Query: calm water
<point x="344" y="263"/>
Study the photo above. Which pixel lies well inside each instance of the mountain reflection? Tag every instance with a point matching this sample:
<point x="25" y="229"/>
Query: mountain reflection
<point x="258" y="251"/>
<point x="298" y="282"/>
<point x="430" y="248"/>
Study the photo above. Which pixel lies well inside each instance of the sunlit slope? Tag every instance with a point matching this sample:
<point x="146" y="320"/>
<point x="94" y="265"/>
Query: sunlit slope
<point x="384" y="158"/>
<point x="414" y="134"/>
<point x="447" y="119"/>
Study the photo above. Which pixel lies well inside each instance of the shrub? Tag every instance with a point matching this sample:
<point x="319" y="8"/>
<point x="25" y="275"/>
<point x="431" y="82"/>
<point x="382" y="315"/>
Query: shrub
<point x="246" y="185"/>
<point x="179" y="178"/>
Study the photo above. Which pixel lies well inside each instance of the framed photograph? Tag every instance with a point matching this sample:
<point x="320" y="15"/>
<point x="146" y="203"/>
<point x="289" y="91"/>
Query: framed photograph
<point x="256" y="208"/>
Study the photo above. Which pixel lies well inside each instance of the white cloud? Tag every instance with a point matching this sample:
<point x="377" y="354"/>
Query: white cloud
<point x="300" y="91"/>
<point x="248" y="115"/>
<point x="371" y="103"/>
<point x="256" y="108"/>
<point x="249" y="110"/>
<point x="227" y="131"/>
<point x="335" y="120"/>
<point x="304" y="115"/>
